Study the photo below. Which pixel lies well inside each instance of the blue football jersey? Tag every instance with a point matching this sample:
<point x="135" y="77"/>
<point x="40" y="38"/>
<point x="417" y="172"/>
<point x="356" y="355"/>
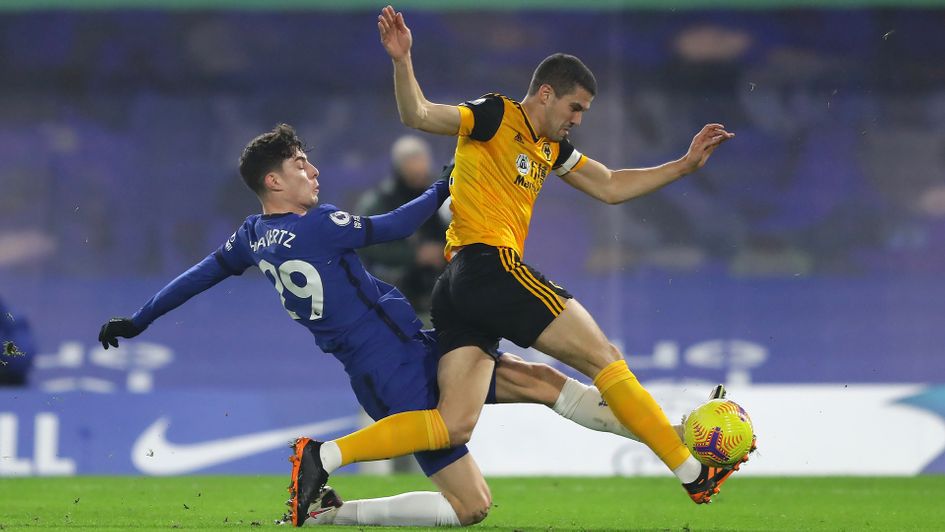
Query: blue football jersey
<point x="311" y="262"/>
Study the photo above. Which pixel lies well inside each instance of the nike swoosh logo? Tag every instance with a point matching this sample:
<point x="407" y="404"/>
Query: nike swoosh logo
<point x="154" y="455"/>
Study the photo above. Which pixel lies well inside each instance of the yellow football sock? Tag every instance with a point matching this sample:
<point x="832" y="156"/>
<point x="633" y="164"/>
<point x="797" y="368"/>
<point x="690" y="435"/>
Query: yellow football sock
<point x="396" y="435"/>
<point x="636" y="409"/>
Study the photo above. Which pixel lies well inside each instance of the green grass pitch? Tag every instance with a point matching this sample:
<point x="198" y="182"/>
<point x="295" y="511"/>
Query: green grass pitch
<point x="227" y="503"/>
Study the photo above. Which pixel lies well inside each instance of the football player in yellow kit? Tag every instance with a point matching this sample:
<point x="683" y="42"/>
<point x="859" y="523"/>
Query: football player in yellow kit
<point x="505" y="151"/>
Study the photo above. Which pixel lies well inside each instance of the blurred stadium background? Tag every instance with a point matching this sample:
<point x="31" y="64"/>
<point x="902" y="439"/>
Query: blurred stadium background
<point x="803" y="266"/>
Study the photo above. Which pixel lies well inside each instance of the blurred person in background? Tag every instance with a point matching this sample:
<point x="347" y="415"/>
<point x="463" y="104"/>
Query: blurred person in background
<point x="412" y="264"/>
<point x="18" y="348"/>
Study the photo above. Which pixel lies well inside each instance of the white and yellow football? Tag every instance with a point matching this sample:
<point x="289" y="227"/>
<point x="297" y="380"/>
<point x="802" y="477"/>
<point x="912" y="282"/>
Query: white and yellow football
<point x="719" y="433"/>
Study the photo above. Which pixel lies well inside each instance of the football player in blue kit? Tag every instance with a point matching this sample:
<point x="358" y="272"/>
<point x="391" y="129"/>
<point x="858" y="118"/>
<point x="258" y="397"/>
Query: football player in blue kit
<point x="307" y="251"/>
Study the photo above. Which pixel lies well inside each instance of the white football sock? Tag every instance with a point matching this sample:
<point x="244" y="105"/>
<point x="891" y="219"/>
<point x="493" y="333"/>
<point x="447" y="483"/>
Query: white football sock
<point x="417" y="508"/>
<point x="584" y="405"/>
<point x="331" y="456"/>
<point x="688" y="471"/>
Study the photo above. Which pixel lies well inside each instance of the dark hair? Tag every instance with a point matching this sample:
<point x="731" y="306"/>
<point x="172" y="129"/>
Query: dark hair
<point x="265" y="153"/>
<point x="563" y="72"/>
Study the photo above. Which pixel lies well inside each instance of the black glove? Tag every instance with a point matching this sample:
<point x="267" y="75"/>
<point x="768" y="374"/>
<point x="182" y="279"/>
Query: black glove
<point x="443" y="191"/>
<point x="116" y="327"/>
<point x="448" y="170"/>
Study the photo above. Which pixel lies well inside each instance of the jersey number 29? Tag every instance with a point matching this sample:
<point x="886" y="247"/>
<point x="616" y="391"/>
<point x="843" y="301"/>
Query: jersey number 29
<point x="312" y="289"/>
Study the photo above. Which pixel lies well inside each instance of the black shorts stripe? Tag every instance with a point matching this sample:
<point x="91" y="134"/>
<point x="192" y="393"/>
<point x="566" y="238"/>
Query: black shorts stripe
<point x="526" y="274"/>
<point x="542" y="287"/>
<point x="521" y="273"/>
<point x="513" y="267"/>
<point x="535" y="282"/>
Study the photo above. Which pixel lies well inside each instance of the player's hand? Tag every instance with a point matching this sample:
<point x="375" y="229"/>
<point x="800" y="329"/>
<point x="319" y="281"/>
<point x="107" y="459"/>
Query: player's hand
<point x="703" y="144"/>
<point x="395" y="35"/>
<point x="115" y="328"/>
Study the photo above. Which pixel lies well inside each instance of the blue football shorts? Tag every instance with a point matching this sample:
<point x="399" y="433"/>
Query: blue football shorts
<point x="407" y="381"/>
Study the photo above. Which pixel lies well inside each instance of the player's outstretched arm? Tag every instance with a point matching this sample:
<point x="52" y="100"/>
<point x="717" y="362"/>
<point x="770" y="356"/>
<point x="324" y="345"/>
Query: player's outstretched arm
<point x="200" y="277"/>
<point x="618" y="186"/>
<point x="415" y="110"/>
<point x="406" y="219"/>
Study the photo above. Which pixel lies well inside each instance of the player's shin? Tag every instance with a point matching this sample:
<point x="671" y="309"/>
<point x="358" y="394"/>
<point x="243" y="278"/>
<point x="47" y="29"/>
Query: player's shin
<point x="396" y="435"/>
<point x="641" y="415"/>
<point x="585" y="406"/>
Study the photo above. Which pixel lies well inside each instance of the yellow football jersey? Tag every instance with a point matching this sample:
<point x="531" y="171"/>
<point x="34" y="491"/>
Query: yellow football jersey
<point x="501" y="166"/>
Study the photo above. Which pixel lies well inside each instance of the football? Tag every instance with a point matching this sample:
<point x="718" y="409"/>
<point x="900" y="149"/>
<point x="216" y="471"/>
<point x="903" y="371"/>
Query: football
<point x="719" y="433"/>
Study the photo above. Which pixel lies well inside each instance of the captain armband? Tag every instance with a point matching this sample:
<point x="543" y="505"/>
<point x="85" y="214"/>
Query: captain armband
<point x="573" y="162"/>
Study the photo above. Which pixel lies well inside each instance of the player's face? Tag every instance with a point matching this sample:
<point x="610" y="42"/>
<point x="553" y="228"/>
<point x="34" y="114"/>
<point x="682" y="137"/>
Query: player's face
<point x="565" y="112"/>
<point x="300" y="179"/>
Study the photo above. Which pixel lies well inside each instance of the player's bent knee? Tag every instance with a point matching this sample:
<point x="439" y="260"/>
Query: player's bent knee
<point x="460" y="435"/>
<point x="476" y="517"/>
<point x="472" y="517"/>
<point x="460" y="430"/>
<point x="475" y="511"/>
